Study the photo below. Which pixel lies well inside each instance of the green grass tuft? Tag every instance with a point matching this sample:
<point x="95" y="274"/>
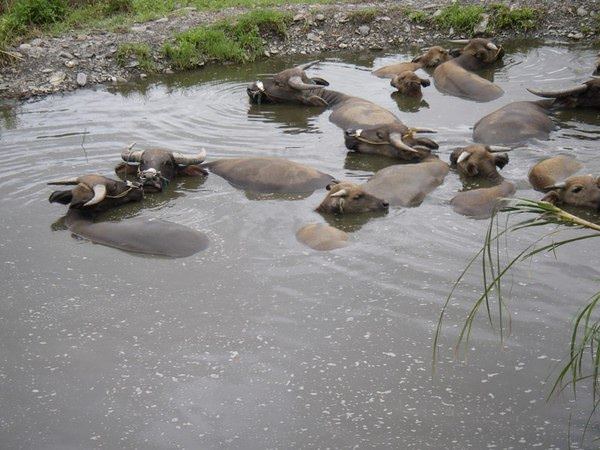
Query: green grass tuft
<point x="462" y="18"/>
<point x="417" y="16"/>
<point x="140" y="52"/>
<point x="238" y="40"/>
<point x="362" y="16"/>
<point x="504" y="18"/>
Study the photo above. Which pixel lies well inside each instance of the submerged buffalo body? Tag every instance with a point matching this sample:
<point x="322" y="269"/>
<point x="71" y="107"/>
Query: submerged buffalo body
<point x="455" y="77"/>
<point x="482" y="203"/>
<point x="407" y="184"/>
<point x="433" y="57"/>
<point x="270" y="175"/>
<point x="514" y="123"/>
<point x="146" y="236"/>
<point x="323" y="237"/>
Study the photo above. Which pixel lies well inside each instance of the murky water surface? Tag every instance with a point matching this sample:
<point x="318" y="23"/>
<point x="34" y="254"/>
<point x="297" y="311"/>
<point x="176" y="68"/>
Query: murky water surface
<point x="260" y="342"/>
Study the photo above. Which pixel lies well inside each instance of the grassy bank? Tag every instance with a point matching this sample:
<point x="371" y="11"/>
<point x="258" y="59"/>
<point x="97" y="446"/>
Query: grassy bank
<point x="463" y="18"/>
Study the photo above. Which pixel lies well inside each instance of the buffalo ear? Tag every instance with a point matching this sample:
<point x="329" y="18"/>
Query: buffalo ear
<point x="428" y="143"/>
<point x="416" y="59"/>
<point x="454" y="156"/>
<point x="332" y="184"/>
<point x="501" y="160"/>
<point x="193" y="170"/>
<point x="320" y="81"/>
<point x="63" y="197"/>
<point x="315" y="100"/>
<point x="552" y="197"/>
<point x="472" y="169"/>
<point x="425" y="83"/>
<point x="126" y="169"/>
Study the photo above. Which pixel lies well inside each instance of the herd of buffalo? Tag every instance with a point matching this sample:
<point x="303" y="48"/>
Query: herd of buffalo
<point x="368" y="128"/>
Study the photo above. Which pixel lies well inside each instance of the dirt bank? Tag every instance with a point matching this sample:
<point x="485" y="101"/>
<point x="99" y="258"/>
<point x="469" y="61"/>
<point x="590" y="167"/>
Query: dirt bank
<point x="78" y="59"/>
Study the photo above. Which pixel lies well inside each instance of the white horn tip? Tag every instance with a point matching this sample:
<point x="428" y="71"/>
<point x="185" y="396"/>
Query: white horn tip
<point x="491" y="46"/>
<point x="463" y="156"/>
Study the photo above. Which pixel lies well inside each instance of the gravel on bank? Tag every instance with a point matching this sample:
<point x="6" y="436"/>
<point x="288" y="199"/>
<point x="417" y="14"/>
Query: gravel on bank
<point x="78" y="59"/>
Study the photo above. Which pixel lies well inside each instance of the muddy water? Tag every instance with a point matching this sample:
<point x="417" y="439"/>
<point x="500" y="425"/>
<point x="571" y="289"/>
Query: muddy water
<point x="259" y="342"/>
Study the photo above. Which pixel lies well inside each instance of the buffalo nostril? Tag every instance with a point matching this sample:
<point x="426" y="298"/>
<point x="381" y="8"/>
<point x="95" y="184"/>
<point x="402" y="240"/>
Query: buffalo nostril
<point x="386" y="204"/>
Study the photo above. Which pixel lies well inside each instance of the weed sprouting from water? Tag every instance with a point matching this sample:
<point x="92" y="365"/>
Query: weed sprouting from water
<point x="583" y="363"/>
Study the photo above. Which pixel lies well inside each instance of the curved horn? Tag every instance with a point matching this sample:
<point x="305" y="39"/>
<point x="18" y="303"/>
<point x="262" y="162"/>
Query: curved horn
<point x="491" y="46"/>
<point x="186" y="160"/>
<point x="459" y="41"/>
<point x="74" y="180"/>
<point x="296" y="82"/>
<point x="422" y="130"/>
<point x="498" y="148"/>
<point x="308" y="64"/>
<point x="559" y="94"/>
<point x="99" y="195"/>
<point x="463" y="157"/>
<point x="560" y="185"/>
<point x="396" y="139"/>
<point x="340" y="193"/>
<point x="129" y="155"/>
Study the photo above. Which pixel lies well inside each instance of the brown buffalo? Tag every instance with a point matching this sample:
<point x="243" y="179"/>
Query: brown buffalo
<point x="294" y="86"/>
<point x="514" y="123"/>
<point x="407" y="184"/>
<point x="584" y="95"/>
<point x="95" y="193"/>
<point x="155" y="168"/>
<point x="319" y="236"/>
<point x="395" y="140"/>
<point x="350" y="198"/>
<point x="270" y="175"/>
<point x="432" y="58"/>
<point x="582" y="190"/>
<point x="482" y="203"/>
<point x="409" y="84"/>
<point x="455" y="76"/>
<point x="597" y="71"/>
<point x="479" y="161"/>
<point x="553" y="170"/>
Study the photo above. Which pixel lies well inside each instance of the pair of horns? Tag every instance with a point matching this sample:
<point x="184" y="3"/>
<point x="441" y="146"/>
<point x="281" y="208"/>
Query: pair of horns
<point x="135" y="156"/>
<point x="491" y="148"/>
<point x="396" y="139"/>
<point x="99" y="189"/>
<point x="575" y="90"/>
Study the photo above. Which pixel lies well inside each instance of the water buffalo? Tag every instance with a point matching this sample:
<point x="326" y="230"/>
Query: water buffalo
<point x="433" y="57"/>
<point x="395" y="140"/>
<point x="319" y="236"/>
<point x="407" y="184"/>
<point x="155" y="168"/>
<point x="582" y="190"/>
<point x="350" y="198"/>
<point x="409" y="84"/>
<point x="584" y="95"/>
<point x="455" y="76"/>
<point x="270" y="175"/>
<point x="481" y="203"/>
<point x="597" y="71"/>
<point x="294" y="86"/>
<point x="550" y="171"/>
<point x="479" y="161"/>
<point x="95" y="193"/>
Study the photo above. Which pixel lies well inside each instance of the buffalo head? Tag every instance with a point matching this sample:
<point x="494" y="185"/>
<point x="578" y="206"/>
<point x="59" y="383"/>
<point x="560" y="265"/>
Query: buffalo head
<point x="155" y="168"/>
<point x="349" y="198"/>
<point x="585" y="95"/>
<point x="479" y="161"/>
<point x="409" y="83"/>
<point x="478" y="53"/>
<point x="96" y="193"/>
<point x="433" y="57"/>
<point x="288" y="86"/>
<point x="395" y="140"/>
<point x="582" y="190"/>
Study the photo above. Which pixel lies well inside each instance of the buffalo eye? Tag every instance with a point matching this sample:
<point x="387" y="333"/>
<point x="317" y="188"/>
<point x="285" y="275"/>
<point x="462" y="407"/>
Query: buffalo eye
<point x="357" y="196"/>
<point x="577" y="189"/>
<point x="380" y="134"/>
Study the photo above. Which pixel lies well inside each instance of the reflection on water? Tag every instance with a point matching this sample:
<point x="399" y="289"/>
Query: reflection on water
<point x="260" y="342"/>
